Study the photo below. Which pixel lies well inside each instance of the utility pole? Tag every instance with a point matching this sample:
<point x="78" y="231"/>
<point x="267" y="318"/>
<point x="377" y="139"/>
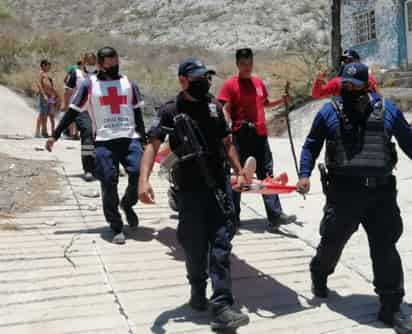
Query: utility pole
<point x="336" y="38"/>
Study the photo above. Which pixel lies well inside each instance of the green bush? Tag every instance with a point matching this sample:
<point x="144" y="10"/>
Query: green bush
<point x="4" y="12"/>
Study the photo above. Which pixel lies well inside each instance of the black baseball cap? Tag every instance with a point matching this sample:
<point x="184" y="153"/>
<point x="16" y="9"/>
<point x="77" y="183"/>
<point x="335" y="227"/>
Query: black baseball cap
<point x="193" y="67"/>
<point x="356" y="73"/>
<point x="106" y="52"/>
<point x="244" y="53"/>
<point x="350" y="55"/>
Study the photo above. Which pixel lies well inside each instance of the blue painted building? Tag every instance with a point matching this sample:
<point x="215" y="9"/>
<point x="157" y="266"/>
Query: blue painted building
<point x="380" y="30"/>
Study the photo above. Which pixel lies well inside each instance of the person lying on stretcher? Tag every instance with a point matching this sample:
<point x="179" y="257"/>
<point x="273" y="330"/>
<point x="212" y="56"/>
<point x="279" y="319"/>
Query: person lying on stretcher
<point x="268" y="186"/>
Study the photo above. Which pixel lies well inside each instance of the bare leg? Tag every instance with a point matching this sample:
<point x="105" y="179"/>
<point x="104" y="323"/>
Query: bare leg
<point x="52" y="117"/>
<point x="38" y="124"/>
<point x="44" y="124"/>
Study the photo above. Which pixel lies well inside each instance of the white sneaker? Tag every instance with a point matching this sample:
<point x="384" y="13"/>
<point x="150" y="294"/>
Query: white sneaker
<point x="119" y="239"/>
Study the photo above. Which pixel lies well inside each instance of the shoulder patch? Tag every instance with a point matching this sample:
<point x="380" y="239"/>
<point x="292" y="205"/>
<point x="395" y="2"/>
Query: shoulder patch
<point x="213" y="110"/>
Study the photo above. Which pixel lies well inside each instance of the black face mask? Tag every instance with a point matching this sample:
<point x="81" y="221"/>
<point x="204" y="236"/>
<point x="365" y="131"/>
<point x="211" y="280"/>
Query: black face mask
<point x="355" y="105"/>
<point x="112" y="71"/>
<point x="199" y="89"/>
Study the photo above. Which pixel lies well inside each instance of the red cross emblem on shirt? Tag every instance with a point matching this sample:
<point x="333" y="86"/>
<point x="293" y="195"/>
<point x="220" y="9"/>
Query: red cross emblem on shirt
<point x="113" y="100"/>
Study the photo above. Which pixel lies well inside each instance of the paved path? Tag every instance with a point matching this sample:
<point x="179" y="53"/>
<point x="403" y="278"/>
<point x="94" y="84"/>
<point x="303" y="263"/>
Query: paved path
<point x="59" y="273"/>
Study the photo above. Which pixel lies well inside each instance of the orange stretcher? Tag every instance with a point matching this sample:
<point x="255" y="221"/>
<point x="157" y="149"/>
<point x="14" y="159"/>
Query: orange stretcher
<point x="268" y="186"/>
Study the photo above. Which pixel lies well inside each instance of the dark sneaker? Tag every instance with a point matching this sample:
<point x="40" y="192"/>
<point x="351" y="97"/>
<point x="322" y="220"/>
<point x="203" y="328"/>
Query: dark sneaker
<point x="402" y="323"/>
<point x="119" y="239"/>
<point x="283" y="219"/>
<point x="199" y="302"/>
<point x="228" y="319"/>
<point x="387" y="312"/>
<point x="88" y="177"/>
<point x="319" y="285"/>
<point x="131" y="216"/>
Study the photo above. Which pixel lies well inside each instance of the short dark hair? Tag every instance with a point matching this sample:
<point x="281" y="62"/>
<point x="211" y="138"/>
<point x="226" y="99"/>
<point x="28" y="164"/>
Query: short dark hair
<point x="245" y="53"/>
<point x="87" y="55"/>
<point x="44" y="62"/>
<point x="106" y="52"/>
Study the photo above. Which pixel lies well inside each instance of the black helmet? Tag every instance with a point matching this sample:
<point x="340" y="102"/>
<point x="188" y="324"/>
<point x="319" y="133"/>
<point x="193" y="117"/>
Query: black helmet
<point x="106" y="52"/>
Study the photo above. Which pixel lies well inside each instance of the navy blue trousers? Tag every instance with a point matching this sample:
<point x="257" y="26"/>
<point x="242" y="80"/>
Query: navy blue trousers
<point x="84" y="124"/>
<point x="376" y="209"/>
<point x="260" y="150"/>
<point x="206" y="237"/>
<point x="109" y="154"/>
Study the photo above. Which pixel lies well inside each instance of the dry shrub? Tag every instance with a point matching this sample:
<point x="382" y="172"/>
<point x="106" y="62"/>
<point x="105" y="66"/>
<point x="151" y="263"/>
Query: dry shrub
<point x="10" y="49"/>
<point x="23" y="81"/>
<point x="153" y="67"/>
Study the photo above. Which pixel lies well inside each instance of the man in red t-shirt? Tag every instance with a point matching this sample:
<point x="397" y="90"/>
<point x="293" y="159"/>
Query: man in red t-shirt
<point x="322" y="89"/>
<point x="245" y="98"/>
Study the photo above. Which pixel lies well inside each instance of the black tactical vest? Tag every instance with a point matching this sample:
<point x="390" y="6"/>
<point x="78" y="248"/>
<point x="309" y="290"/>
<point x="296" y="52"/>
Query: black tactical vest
<point x="365" y="151"/>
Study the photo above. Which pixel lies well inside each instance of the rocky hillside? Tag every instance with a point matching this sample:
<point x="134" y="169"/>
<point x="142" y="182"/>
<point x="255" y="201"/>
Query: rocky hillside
<point x="291" y="39"/>
<point x="217" y="24"/>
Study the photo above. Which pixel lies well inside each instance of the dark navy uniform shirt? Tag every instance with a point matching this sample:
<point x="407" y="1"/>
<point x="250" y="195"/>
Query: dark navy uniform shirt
<point x="326" y="123"/>
<point x="210" y="120"/>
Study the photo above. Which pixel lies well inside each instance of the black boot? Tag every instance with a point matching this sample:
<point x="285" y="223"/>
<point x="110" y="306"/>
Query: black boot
<point x="282" y="219"/>
<point x="131" y="216"/>
<point x="228" y="319"/>
<point x="319" y="285"/>
<point x="387" y="313"/>
<point x="402" y="323"/>
<point x="391" y="315"/>
<point x="198" y="300"/>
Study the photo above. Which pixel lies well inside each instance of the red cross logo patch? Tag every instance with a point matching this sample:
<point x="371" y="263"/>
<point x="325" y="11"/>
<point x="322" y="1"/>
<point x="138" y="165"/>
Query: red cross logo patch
<point x="114" y="100"/>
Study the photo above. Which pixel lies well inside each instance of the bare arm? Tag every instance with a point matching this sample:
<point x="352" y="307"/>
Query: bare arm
<point x="146" y="193"/>
<point x="275" y="103"/>
<point x="68" y="93"/>
<point x="234" y="160"/>
<point x="232" y="154"/>
<point x="41" y="87"/>
<point x="148" y="159"/>
<point x="227" y="113"/>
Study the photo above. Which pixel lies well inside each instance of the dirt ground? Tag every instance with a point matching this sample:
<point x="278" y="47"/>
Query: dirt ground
<point x="25" y="184"/>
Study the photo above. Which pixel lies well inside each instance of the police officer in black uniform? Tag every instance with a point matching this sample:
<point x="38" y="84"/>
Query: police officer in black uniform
<point x="200" y="137"/>
<point x="361" y="188"/>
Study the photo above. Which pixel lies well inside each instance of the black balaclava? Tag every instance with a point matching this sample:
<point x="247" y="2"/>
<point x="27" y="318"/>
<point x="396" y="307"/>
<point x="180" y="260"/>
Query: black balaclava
<point x="356" y="105"/>
<point x="199" y="89"/>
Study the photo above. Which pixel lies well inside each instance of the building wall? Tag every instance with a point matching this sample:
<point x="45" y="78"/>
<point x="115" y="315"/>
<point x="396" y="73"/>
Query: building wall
<point x="389" y="47"/>
<point x="403" y="56"/>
